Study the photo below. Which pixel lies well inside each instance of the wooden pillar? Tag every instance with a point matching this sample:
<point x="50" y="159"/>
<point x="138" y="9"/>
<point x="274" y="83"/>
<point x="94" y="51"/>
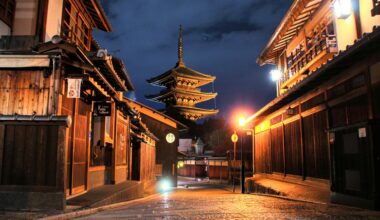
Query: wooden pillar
<point x="88" y="143"/>
<point x="283" y="147"/>
<point x="113" y="129"/>
<point x="2" y="140"/>
<point x="75" y="110"/>
<point x="62" y="148"/>
<point x="302" y="145"/>
<point x="356" y="9"/>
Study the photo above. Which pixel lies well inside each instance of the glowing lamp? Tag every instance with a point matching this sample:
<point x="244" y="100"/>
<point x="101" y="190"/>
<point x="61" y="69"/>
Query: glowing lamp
<point x="180" y="164"/>
<point x="241" y="121"/>
<point x="275" y="75"/>
<point x="342" y="8"/>
<point x="165" y="185"/>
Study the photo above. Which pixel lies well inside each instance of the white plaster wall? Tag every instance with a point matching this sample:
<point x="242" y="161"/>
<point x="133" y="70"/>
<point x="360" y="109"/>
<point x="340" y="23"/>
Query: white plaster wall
<point x="4" y="29"/>
<point x="366" y="18"/>
<point x="346" y="31"/>
<point x="54" y="19"/>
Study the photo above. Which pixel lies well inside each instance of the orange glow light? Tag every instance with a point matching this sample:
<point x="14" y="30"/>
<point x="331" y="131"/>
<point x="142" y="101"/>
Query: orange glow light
<point x="239" y="116"/>
<point x="242" y="121"/>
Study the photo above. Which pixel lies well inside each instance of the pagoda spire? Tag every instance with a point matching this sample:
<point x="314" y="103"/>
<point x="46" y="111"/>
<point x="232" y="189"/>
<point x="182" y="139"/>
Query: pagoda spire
<point x="180" y="47"/>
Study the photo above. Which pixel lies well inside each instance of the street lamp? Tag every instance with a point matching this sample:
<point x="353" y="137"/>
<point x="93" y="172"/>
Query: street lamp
<point x="342" y="8"/>
<point x="242" y="122"/>
<point x="276" y="77"/>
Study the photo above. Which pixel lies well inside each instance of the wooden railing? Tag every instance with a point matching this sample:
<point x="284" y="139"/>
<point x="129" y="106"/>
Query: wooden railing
<point x="327" y="44"/>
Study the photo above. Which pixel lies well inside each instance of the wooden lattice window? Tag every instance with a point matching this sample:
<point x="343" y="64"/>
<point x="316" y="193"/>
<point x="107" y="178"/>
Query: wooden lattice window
<point x="75" y="26"/>
<point x="7" y="11"/>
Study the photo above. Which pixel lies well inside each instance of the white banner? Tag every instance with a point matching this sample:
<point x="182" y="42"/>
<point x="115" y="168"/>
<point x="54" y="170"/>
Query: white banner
<point x="73" y="88"/>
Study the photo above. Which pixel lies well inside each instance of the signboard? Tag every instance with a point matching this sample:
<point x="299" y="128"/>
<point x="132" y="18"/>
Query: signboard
<point x="170" y="138"/>
<point x="102" y="109"/>
<point x="234" y="138"/>
<point x="73" y="88"/>
<point x="362" y="132"/>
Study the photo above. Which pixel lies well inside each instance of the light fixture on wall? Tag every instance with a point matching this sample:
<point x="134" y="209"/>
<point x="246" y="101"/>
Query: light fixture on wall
<point x="275" y="75"/>
<point x="342" y="8"/>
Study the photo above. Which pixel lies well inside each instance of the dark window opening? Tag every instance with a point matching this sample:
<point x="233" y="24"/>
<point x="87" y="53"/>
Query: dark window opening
<point x="7" y="11"/>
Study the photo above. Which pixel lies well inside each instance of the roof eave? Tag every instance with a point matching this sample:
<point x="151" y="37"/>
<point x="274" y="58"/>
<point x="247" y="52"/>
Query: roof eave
<point x="106" y="26"/>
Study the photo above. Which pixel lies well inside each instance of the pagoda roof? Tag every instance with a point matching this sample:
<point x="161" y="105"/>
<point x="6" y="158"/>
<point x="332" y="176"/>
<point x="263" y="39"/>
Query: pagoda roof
<point x="175" y="91"/>
<point x="195" y="110"/>
<point x="181" y="71"/>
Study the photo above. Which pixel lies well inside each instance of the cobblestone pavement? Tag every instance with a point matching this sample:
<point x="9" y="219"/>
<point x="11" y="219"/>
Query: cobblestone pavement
<point x="220" y="203"/>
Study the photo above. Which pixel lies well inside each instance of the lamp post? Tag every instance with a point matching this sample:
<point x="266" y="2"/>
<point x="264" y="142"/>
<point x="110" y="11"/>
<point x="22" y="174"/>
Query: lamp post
<point x="242" y="122"/>
<point x="242" y="169"/>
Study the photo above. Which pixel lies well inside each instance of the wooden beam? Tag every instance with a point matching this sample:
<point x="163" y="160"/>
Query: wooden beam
<point x="79" y="65"/>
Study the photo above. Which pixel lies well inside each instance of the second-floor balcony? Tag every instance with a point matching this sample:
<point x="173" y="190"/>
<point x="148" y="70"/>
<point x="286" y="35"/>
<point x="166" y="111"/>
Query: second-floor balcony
<point x="320" y="48"/>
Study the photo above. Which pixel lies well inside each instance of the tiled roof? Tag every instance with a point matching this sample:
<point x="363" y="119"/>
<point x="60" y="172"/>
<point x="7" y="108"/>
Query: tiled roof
<point x="183" y="71"/>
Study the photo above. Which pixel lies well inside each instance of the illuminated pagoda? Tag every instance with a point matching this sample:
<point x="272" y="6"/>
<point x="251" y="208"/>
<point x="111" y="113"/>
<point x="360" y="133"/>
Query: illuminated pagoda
<point x="182" y="92"/>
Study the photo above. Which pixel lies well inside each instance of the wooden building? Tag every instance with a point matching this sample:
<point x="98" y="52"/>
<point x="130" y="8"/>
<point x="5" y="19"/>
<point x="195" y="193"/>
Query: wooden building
<point x="64" y="128"/>
<point x="323" y="128"/>
<point x="182" y="91"/>
<point x="167" y="131"/>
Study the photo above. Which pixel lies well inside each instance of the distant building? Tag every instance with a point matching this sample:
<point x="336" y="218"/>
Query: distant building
<point x="323" y="128"/>
<point x="182" y="93"/>
<point x="167" y="131"/>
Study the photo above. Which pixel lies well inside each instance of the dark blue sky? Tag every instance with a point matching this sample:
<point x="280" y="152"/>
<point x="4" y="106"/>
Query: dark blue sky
<point x="221" y="37"/>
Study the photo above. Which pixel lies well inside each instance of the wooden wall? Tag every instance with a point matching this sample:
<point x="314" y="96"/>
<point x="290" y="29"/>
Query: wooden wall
<point x="32" y="154"/>
<point x="29" y="155"/>
<point x="297" y="141"/>
<point x="78" y="143"/>
<point x="316" y="145"/>
<point x="277" y="143"/>
<point x="263" y="152"/>
<point x="166" y="153"/>
<point x="147" y="162"/>
<point x="24" y="92"/>
<point x="122" y="140"/>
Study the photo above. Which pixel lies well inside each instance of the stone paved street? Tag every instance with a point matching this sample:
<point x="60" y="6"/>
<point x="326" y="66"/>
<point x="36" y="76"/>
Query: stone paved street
<point x="219" y="203"/>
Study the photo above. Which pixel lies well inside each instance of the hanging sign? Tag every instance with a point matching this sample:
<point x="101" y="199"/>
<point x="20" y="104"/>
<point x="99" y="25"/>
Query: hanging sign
<point x="170" y="138"/>
<point x="102" y="109"/>
<point x="362" y="132"/>
<point x="73" y="88"/>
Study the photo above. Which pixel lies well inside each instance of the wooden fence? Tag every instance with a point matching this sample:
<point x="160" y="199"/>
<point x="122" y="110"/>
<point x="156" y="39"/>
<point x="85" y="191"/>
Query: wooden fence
<point x="32" y="164"/>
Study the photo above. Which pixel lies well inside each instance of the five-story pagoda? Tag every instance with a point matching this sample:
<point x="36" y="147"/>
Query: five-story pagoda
<point x="182" y="92"/>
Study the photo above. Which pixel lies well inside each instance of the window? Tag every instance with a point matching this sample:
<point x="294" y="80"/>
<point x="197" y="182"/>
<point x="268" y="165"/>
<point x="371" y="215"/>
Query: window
<point x="7" y="10"/>
<point x="74" y="25"/>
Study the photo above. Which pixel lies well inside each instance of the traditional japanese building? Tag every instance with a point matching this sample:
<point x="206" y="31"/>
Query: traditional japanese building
<point x="323" y="128"/>
<point x="182" y="91"/>
<point x="167" y="131"/>
<point x="64" y="128"/>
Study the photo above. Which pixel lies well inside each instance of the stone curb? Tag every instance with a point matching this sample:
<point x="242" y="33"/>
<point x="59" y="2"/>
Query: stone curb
<point x="89" y="211"/>
<point x="291" y="199"/>
<point x="308" y="201"/>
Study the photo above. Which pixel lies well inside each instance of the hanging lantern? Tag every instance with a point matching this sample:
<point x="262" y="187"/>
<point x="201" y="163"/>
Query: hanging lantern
<point x="342" y="8"/>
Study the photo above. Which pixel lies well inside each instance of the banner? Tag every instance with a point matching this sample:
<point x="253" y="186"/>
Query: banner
<point x="73" y="88"/>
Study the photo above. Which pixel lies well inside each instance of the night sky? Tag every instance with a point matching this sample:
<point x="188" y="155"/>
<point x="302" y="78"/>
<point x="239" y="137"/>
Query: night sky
<point x="221" y="37"/>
